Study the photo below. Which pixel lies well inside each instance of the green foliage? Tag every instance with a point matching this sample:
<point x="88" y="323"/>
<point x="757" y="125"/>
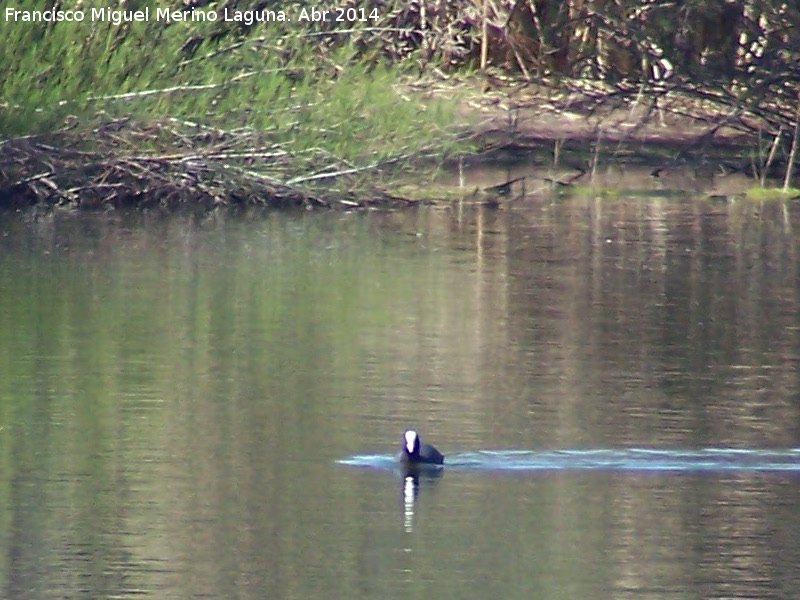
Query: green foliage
<point x="291" y="87"/>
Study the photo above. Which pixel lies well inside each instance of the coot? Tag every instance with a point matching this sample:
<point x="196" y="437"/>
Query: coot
<point x="414" y="452"/>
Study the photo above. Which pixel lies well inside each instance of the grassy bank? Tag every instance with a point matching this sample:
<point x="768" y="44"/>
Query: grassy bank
<point x="178" y="108"/>
<point x="293" y="108"/>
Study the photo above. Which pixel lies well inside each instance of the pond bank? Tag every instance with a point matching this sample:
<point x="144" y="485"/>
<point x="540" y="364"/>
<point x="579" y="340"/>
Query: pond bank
<point x="171" y="165"/>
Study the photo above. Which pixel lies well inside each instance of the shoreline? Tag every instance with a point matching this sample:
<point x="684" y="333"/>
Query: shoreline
<point x="86" y="170"/>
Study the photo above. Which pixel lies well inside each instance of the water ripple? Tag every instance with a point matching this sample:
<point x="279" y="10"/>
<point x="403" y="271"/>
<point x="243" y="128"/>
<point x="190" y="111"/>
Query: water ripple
<point x="628" y="459"/>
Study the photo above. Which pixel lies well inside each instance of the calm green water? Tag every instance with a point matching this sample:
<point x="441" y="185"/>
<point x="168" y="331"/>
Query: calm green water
<point x="175" y="395"/>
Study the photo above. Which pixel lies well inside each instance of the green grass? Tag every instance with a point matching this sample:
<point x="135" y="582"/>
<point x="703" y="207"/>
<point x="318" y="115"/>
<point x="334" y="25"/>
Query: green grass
<point x="282" y="85"/>
<point x="760" y="194"/>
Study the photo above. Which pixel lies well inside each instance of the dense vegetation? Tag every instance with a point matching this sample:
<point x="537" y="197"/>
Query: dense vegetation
<point x="239" y="110"/>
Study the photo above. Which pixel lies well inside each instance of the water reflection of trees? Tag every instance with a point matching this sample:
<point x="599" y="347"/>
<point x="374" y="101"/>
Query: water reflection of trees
<point x="677" y="317"/>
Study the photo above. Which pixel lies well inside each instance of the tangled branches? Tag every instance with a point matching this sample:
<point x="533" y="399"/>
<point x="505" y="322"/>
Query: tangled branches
<point x="217" y="169"/>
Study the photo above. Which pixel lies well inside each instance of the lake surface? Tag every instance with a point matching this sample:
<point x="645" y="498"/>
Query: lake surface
<point x="208" y="407"/>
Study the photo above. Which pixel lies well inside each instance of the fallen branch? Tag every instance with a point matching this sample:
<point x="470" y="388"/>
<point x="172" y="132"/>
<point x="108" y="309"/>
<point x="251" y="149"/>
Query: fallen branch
<point x="66" y="175"/>
<point x="332" y="174"/>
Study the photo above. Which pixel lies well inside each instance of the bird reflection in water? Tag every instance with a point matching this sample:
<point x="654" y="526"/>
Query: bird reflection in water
<point x="410" y="489"/>
<point x="411" y="486"/>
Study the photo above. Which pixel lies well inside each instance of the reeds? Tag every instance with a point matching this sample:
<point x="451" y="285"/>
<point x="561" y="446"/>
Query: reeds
<point x="278" y="87"/>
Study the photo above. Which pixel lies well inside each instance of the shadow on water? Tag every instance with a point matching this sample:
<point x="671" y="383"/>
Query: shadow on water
<point x="627" y="459"/>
